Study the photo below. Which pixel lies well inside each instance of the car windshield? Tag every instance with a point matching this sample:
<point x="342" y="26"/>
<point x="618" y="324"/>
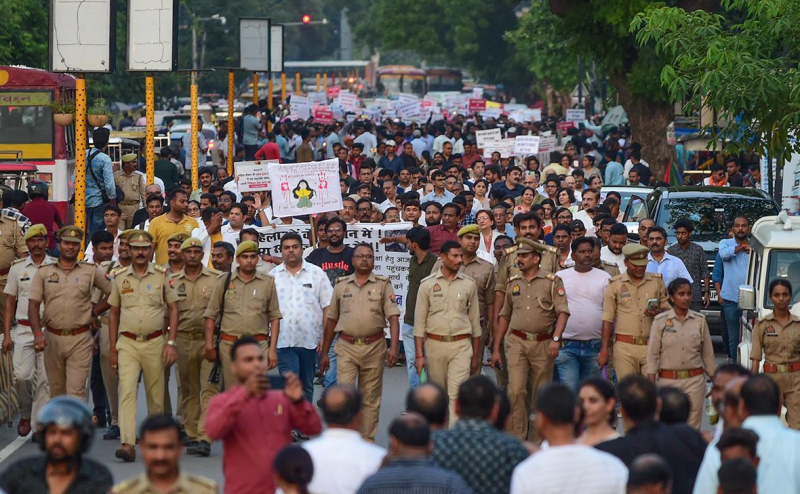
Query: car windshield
<point x="713" y="215"/>
<point x="784" y="264"/>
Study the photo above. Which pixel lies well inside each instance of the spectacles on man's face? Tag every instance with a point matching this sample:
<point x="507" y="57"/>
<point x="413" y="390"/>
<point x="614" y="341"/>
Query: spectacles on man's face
<point x="363" y="210"/>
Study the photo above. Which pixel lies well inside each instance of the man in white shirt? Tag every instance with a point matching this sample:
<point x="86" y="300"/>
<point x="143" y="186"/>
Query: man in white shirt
<point x="659" y="261"/>
<point x="202" y="146"/>
<point x="342" y="458"/>
<point x="584" y="286"/>
<point x="367" y="138"/>
<point x="418" y="144"/>
<point x="304" y="294"/>
<point x="230" y="230"/>
<point x="565" y="467"/>
<point x="589" y="200"/>
<point x="438" y="143"/>
<point x="612" y="253"/>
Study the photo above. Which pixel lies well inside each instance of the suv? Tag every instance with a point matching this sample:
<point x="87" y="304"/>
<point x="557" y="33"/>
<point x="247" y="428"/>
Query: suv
<point x="711" y="209"/>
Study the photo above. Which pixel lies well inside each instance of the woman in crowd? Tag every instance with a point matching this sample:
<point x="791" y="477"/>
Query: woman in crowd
<point x="597" y="401"/>
<point x="485" y="221"/>
<point x="480" y="187"/>
<point x="293" y="470"/>
<point x="526" y="201"/>
<point x="566" y="199"/>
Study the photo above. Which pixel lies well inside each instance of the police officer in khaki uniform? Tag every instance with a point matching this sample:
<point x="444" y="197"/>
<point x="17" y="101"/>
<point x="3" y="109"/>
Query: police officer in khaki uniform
<point x="141" y="302"/>
<point x="526" y="225"/>
<point x="629" y="305"/>
<point x="251" y="309"/>
<point x="482" y="272"/>
<point x="65" y="287"/>
<point x="174" y="252"/>
<point x="193" y="286"/>
<point x="360" y="306"/>
<point x="777" y="338"/>
<point x="13" y="247"/>
<point x="447" y="324"/>
<point x="680" y="349"/>
<point x="535" y="313"/>
<point x="132" y="184"/>
<point x="30" y="378"/>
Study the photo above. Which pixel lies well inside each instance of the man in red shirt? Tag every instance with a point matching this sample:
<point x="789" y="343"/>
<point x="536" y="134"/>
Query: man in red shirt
<point x="447" y="230"/>
<point x="270" y="150"/>
<point x="255" y="423"/>
<point x="38" y="210"/>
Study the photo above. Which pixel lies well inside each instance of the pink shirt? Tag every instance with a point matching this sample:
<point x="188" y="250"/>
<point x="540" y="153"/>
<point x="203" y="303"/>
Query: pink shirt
<point x="252" y="431"/>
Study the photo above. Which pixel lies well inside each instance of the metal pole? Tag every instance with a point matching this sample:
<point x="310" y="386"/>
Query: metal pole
<point x="269" y="102"/>
<point x="193" y="95"/>
<point x="325" y="82"/>
<point x="317" y="82"/>
<point x="341" y="82"/>
<point x="150" y="138"/>
<point x="80" y="157"/>
<point x="283" y="88"/>
<point x="297" y="83"/>
<point x="231" y="125"/>
<point x="255" y="88"/>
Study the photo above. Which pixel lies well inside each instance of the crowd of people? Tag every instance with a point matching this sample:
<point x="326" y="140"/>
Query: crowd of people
<point x="519" y="273"/>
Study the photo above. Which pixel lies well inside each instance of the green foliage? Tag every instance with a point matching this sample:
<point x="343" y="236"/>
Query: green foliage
<point x="64" y="104"/>
<point x="99" y="107"/>
<point x="741" y="63"/>
<point x="23" y="38"/>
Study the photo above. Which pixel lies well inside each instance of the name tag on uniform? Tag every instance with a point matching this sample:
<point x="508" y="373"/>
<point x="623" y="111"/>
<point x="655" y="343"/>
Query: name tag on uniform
<point x="437" y="295"/>
<point x="53" y="278"/>
<point x="771" y="331"/>
<point x="307" y="285"/>
<point x="670" y="330"/>
<point x="347" y="295"/>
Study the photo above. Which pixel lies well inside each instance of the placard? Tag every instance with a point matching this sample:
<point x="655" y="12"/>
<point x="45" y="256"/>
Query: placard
<point x="486" y="137"/>
<point x="305" y="188"/>
<point x="82" y="36"/>
<point x="152" y="35"/>
<point x="323" y="116"/>
<point x="504" y="146"/>
<point x="333" y="91"/>
<point x="253" y="175"/>
<point x="576" y="115"/>
<point x="547" y="143"/>
<point x="317" y="98"/>
<point x="349" y="102"/>
<point x="276" y="48"/>
<point x="564" y="127"/>
<point x="526" y="145"/>
<point x="254" y="50"/>
<point x="476" y="105"/>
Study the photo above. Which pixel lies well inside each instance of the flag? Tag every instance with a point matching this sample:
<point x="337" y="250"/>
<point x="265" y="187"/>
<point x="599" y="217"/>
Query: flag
<point x="673" y="175"/>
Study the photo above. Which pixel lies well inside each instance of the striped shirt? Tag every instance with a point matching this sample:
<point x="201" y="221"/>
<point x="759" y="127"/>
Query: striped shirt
<point x="570" y="469"/>
<point x="417" y="475"/>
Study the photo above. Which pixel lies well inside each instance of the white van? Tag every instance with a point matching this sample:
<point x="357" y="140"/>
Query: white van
<point x="775" y="253"/>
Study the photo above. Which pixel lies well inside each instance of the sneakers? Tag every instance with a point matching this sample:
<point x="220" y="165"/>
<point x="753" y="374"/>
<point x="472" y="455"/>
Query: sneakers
<point x="126" y="453"/>
<point x="24" y="427"/>
<point x="112" y="434"/>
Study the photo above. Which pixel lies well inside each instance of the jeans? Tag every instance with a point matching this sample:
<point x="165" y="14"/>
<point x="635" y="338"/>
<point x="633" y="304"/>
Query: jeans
<point x="576" y="361"/>
<point x="330" y="375"/>
<point x="411" y="354"/>
<point x="250" y="152"/>
<point x="731" y="313"/>
<point x="94" y="220"/>
<point x="302" y="362"/>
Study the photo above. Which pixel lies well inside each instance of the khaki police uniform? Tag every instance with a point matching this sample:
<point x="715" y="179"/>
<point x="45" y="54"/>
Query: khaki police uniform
<point x="66" y="295"/>
<point x="531" y="308"/>
<point x="508" y="265"/>
<point x="780" y="346"/>
<point x="624" y="304"/>
<point x="194" y="390"/>
<point x="361" y="312"/>
<point x="679" y="354"/>
<point x="187" y="483"/>
<point x="448" y="316"/>
<point x="179" y="237"/>
<point x="610" y="268"/>
<point x="110" y="377"/>
<point x="12" y="246"/>
<point x="30" y="377"/>
<point x="132" y="186"/>
<point x="142" y="300"/>
<point x="249" y="308"/>
<point x="482" y="273"/>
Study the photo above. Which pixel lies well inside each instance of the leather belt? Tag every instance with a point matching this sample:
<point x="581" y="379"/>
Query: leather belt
<point x="633" y="340"/>
<point x="129" y="203"/>
<point x="232" y="338"/>
<point x="532" y="336"/>
<point x="680" y="374"/>
<point x="68" y="332"/>
<point x="361" y="340"/>
<point x="24" y="322"/>
<point x="781" y="368"/>
<point x="143" y="337"/>
<point x="191" y="335"/>
<point x="448" y="338"/>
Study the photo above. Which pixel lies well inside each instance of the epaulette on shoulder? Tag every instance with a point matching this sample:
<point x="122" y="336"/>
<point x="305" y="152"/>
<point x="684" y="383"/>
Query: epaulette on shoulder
<point x="21" y="259"/>
<point x="606" y="263"/>
<point x="118" y="271"/>
<point x="381" y="277"/>
<point x="656" y="275"/>
<point x="214" y="271"/>
<point x="660" y="315"/>
<point x="551" y="249"/>
<point x="160" y="269"/>
<point x="430" y="276"/>
<point x="206" y="483"/>
<point x="340" y="279"/>
<point x="551" y="276"/>
<point x="511" y="250"/>
<point x="515" y="277"/>
<point x="88" y="263"/>
<point x="616" y="277"/>
<point x="125" y="485"/>
<point x="47" y="263"/>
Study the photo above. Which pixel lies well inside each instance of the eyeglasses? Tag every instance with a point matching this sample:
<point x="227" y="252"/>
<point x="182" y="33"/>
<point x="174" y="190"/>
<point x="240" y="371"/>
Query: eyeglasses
<point x="335" y="230"/>
<point x="366" y="257"/>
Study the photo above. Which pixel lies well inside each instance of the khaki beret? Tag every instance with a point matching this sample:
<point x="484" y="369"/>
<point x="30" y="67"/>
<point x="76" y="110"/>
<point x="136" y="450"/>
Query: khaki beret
<point x="37" y="230"/>
<point x="246" y="246"/>
<point x="469" y="229"/>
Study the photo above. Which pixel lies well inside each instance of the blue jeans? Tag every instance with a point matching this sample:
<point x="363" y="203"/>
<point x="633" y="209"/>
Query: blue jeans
<point x="302" y="362"/>
<point x="576" y="361"/>
<point x="411" y="355"/>
<point x="731" y="313"/>
<point x="330" y="375"/>
<point x="94" y="220"/>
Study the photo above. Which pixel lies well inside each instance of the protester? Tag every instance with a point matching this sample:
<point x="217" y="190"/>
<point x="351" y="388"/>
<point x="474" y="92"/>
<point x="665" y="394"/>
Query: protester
<point x="430" y="401"/>
<point x="597" y="402"/>
<point x="649" y="474"/>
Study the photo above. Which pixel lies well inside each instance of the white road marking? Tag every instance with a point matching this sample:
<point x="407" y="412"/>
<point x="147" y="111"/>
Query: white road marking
<point x="9" y="450"/>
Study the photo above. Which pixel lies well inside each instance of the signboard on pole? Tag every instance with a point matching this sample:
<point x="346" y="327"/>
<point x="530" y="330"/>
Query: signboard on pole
<point x="305" y="188"/>
<point x="547" y="143"/>
<point x="254" y="44"/>
<point x="276" y="49"/>
<point x="82" y="36"/>
<point x="152" y="35"/>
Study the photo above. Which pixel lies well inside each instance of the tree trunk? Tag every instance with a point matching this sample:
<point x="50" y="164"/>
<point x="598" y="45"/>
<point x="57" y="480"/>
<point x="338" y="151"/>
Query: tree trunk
<point x="648" y="121"/>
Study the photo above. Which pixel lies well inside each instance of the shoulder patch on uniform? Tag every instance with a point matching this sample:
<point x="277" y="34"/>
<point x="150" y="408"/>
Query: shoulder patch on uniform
<point x="616" y="277"/>
<point x="381" y="277"/>
<point x="161" y="269"/>
<point x="214" y="271"/>
<point x="46" y="263"/>
<point x="341" y="279"/>
<point x="661" y="315"/>
<point x="21" y="259"/>
<point x="207" y="483"/>
<point x="511" y="249"/>
<point x="125" y="485"/>
<point x="551" y="249"/>
<point x="90" y="263"/>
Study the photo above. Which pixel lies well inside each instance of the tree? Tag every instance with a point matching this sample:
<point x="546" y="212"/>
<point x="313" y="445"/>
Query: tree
<point x="740" y="63"/>
<point x="23" y="38"/>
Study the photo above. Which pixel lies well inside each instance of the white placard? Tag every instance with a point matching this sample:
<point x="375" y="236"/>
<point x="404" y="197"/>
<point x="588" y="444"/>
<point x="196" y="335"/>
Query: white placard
<point x="536" y="115"/>
<point x="253" y="175"/>
<point x="305" y="188"/>
<point x="151" y="35"/>
<point x="409" y="109"/>
<point x="576" y="115"/>
<point x="526" y="145"/>
<point x="405" y="98"/>
<point x="477" y="92"/>
<point x="492" y="113"/>
<point x="276" y="49"/>
<point x="504" y="146"/>
<point x="254" y="44"/>
<point x="317" y="98"/>
<point x="80" y="36"/>
<point x="485" y="137"/>
<point x="349" y="102"/>
<point x="547" y="143"/>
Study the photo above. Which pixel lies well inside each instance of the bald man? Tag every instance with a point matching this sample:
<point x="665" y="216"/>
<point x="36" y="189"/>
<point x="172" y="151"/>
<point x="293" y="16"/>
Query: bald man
<point x="430" y="401"/>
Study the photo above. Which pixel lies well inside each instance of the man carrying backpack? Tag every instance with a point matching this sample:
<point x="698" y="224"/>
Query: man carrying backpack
<point x="100" y="186"/>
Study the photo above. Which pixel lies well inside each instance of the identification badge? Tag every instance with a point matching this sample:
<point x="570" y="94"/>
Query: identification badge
<point x="53" y="278"/>
<point x="771" y="331"/>
<point x="670" y="330"/>
<point x="515" y="290"/>
<point x="669" y="323"/>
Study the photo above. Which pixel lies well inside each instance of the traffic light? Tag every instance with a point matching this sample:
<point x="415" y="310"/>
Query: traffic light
<point x="306" y="18"/>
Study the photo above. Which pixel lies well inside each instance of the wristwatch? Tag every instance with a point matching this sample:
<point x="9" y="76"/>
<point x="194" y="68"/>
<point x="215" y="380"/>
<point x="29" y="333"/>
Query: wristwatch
<point x="556" y="338"/>
<point x="172" y="343"/>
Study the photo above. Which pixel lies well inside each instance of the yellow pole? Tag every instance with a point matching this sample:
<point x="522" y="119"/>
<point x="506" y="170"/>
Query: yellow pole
<point x="255" y="88"/>
<point x="297" y="83"/>
<point x="193" y="151"/>
<point x="325" y="82"/>
<point x="80" y="156"/>
<point x="283" y="88"/>
<point x="341" y="83"/>
<point x="149" y="138"/>
<point x="269" y="102"/>
<point x="231" y="126"/>
<point x="318" y="82"/>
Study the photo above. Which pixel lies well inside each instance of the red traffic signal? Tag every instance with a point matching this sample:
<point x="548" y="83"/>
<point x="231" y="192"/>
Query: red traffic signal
<point x="306" y="18"/>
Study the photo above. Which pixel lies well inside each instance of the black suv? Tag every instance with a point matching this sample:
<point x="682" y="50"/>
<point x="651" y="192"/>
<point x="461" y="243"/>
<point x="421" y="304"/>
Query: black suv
<point x="711" y="209"/>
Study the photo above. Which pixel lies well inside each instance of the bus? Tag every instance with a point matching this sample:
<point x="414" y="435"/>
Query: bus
<point x="28" y="133"/>
<point x="396" y="79"/>
<point x="440" y="79"/>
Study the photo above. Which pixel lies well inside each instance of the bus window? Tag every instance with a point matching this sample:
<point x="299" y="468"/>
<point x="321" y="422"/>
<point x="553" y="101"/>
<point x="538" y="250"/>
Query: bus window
<point x="414" y="85"/>
<point x="27" y="128"/>
<point x="391" y="84"/>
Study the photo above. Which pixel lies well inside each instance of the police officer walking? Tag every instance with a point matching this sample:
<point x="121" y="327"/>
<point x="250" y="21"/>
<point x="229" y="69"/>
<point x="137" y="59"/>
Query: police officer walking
<point x="631" y="301"/>
<point x="140" y="302"/>
<point x="447" y="328"/>
<point x="11" y="237"/>
<point x="65" y="286"/>
<point x="244" y="303"/>
<point x="361" y="304"/>
<point x="132" y="184"/>
<point x="193" y="285"/>
<point x="30" y="378"/>
<point x="680" y="349"/>
<point x="535" y="312"/>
